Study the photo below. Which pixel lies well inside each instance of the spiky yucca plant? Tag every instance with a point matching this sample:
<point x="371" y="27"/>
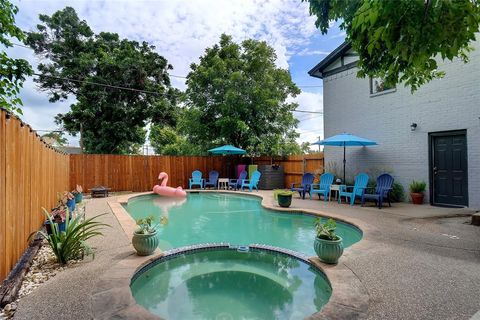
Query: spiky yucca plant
<point x="71" y="244"/>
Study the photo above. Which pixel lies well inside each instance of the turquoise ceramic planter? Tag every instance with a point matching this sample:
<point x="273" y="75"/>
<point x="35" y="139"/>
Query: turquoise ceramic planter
<point x="145" y="244"/>
<point x="284" y="201"/>
<point x="78" y="197"/>
<point x="328" y="251"/>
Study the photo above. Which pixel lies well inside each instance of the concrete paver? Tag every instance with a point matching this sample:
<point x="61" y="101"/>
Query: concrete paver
<point x="413" y="264"/>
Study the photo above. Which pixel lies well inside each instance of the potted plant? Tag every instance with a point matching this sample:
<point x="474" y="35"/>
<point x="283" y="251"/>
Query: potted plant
<point x="58" y="216"/>
<point x="327" y="244"/>
<point x="145" y="239"/>
<point x="417" y="189"/>
<point x="77" y="193"/>
<point x="283" y="197"/>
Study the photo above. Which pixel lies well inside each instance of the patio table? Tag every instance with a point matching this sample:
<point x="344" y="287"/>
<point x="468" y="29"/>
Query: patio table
<point x="99" y="191"/>
<point x="223" y="183"/>
<point x="335" y="187"/>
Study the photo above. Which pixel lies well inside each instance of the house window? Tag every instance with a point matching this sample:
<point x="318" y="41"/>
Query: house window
<point x="378" y="87"/>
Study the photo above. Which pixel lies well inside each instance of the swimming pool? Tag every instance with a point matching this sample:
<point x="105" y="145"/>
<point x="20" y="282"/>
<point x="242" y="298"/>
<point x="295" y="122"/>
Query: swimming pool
<point x="222" y="283"/>
<point x="231" y="218"/>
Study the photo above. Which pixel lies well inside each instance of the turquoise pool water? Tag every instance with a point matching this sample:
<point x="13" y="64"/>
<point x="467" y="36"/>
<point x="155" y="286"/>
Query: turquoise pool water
<point x="230" y="218"/>
<point x="226" y="284"/>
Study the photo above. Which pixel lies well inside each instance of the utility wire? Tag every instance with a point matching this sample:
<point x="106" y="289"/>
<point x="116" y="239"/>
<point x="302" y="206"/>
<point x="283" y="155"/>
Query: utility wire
<point x="170" y="75"/>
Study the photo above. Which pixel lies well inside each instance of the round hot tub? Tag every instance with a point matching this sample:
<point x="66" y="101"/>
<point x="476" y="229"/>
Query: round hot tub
<point x="231" y="283"/>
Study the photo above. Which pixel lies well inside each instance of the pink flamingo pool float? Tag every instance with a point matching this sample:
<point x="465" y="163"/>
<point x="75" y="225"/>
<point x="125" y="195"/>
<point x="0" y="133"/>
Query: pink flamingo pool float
<point x="163" y="190"/>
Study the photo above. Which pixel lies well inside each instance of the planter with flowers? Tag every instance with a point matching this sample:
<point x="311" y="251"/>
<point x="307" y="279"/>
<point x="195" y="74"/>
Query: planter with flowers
<point x="77" y="193"/>
<point x="145" y="239"/>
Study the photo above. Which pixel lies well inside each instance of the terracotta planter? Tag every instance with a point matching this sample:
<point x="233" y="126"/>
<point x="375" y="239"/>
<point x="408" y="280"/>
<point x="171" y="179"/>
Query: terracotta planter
<point x="328" y="251"/>
<point x="417" y="198"/>
<point x="284" y="201"/>
<point x="145" y="244"/>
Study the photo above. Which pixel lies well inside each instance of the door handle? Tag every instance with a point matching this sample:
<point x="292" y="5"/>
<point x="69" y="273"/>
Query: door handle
<point x="435" y="170"/>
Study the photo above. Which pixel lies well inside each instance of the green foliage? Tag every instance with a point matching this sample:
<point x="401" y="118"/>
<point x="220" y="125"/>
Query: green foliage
<point x="167" y="141"/>
<point x="398" y="41"/>
<point x="147" y="226"/>
<point x="326" y="230"/>
<point x="108" y="119"/>
<point x="57" y="137"/>
<point x="397" y="194"/>
<point x="418" y="186"/>
<point x="71" y="244"/>
<point x="282" y="192"/>
<point x="12" y="71"/>
<point x="237" y="95"/>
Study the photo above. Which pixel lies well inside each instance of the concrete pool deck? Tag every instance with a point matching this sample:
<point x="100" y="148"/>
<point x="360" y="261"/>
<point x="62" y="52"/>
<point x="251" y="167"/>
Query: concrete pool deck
<point x="413" y="263"/>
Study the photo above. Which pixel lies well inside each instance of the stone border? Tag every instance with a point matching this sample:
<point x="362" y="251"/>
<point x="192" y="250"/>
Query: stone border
<point x="112" y="297"/>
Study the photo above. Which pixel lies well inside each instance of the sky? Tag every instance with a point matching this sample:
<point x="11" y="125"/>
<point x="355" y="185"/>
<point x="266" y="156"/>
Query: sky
<point x="181" y="30"/>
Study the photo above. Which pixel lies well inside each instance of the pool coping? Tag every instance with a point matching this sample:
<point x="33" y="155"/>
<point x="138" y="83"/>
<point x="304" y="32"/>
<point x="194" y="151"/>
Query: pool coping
<point x="112" y="297"/>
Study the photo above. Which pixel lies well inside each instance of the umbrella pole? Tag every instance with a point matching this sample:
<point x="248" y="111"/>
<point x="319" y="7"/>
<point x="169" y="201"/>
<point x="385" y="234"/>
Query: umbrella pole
<point x="344" y="161"/>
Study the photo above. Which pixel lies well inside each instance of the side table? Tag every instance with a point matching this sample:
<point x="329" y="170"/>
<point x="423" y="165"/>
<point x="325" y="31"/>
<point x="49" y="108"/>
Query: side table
<point x="223" y="183"/>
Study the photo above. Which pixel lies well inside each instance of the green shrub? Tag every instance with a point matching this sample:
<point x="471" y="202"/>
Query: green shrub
<point x="282" y="192"/>
<point x="418" y="186"/>
<point x="326" y="230"/>
<point x="71" y="244"/>
<point x="397" y="194"/>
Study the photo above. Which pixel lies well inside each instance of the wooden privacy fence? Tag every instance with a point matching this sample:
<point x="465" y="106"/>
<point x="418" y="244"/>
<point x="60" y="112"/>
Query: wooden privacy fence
<point x="296" y="166"/>
<point x="31" y="174"/>
<point x="139" y="173"/>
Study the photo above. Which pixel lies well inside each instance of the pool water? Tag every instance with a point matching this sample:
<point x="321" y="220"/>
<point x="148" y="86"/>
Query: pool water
<point x="229" y="218"/>
<point x="225" y="284"/>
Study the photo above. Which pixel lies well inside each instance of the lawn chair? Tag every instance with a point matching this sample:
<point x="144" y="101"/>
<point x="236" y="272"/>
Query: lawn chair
<point x="326" y="181"/>
<point x="252" y="182"/>
<point x="196" y="179"/>
<point x="236" y="183"/>
<point x="212" y="179"/>
<point x="382" y="191"/>
<point x="361" y="182"/>
<point x="304" y="187"/>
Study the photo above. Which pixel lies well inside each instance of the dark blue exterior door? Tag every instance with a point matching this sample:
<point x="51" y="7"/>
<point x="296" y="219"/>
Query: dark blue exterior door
<point x="449" y="169"/>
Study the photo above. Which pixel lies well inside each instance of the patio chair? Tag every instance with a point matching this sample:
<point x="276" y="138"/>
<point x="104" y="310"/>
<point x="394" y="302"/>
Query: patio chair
<point x="361" y="182"/>
<point x="236" y="183"/>
<point x="196" y="179"/>
<point x="303" y="187"/>
<point x="252" y="182"/>
<point x="212" y="179"/>
<point x="382" y="191"/>
<point x="326" y="181"/>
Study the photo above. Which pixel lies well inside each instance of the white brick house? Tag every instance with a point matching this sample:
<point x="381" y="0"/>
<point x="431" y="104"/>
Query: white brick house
<point x="444" y="148"/>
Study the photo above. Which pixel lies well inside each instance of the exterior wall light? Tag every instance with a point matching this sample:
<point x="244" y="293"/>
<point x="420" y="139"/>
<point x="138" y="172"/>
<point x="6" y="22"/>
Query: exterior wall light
<point x="413" y="126"/>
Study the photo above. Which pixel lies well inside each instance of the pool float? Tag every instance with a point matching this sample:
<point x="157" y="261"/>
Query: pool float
<point x="163" y="190"/>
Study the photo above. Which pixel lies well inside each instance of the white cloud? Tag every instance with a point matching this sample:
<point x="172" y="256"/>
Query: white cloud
<point x="181" y="30"/>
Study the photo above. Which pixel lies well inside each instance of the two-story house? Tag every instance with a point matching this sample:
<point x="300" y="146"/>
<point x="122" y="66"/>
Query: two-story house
<point x="431" y="135"/>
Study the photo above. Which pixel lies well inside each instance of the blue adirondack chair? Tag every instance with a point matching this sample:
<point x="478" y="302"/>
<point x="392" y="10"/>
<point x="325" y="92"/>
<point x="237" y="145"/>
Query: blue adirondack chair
<point x="212" y="179"/>
<point x="196" y="180"/>
<point x="352" y="192"/>
<point x="326" y="181"/>
<point x="303" y="187"/>
<point x="236" y="183"/>
<point x="382" y="191"/>
<point x="252" y="182"/>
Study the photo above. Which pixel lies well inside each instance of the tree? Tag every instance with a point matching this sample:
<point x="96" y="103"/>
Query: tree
<point x="57" y="137"/>
<point x="167" y="141"/>
<point x="12" y="71"/>
<point x="237" y="95"/>
<point x="120" y="85"/>
<point x="399" y="40"/>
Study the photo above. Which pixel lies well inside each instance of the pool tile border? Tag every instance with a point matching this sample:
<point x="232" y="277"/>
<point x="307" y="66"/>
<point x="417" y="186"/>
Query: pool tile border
<point x="112" y="297"/>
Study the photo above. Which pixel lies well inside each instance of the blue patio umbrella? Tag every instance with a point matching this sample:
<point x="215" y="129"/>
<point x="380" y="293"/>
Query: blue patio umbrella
<point x="345" y="140"/>
<point x="227" y="149"/>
